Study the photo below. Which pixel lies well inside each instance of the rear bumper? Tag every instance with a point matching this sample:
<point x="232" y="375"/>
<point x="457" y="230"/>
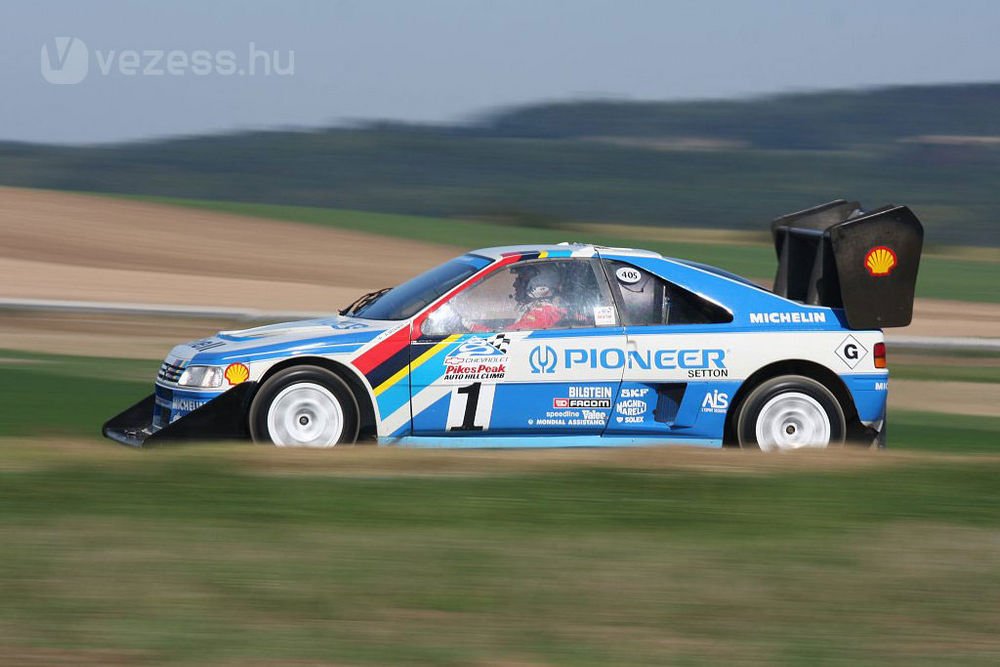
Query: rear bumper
<point x="868" y="434"/>
<point x="222" y="418"/>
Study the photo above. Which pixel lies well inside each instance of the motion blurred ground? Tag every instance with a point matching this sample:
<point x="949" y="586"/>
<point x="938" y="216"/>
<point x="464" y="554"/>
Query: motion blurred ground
<point x="232" y="554"/>
<point x="69" y="246"/>
<point x="66" y="246"/>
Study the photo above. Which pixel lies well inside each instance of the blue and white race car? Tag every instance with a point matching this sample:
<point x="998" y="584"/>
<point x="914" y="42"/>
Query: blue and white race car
<point x="571" y="345"/>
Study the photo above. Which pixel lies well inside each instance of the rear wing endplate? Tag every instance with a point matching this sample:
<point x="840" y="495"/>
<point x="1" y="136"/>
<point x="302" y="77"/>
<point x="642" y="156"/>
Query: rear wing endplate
<point x="841" y="256"/>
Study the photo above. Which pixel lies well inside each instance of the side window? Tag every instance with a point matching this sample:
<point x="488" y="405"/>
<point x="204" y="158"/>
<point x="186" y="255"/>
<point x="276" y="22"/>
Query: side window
<point x="529" y="296"/>
<point x="647" y="299"/>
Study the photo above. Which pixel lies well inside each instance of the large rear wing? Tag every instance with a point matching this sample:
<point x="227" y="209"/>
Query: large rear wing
<point x="841" y="256"/>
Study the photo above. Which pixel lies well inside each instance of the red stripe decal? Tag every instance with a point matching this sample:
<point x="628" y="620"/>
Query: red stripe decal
<point x="388" y="347"/>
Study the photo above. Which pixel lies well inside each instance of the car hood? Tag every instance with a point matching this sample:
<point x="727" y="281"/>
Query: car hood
<point x="330" y="335"/>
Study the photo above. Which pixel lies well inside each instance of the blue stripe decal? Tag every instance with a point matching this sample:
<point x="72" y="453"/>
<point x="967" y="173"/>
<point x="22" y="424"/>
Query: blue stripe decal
<point x="394" y="398"/>
<point x="548" y="441"/>
<point x="334" y="335"/>
<point x="284" y="351"/>
<point x="433" y="369"/>
<point x="330" y="343"/>
<point x="576" y="333"/>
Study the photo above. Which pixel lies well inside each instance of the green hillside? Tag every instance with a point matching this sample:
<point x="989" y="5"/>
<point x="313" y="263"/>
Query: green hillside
<point x="720" y="164"/>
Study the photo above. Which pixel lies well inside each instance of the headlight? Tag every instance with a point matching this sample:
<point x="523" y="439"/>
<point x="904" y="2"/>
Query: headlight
<point x="201" y="376"/>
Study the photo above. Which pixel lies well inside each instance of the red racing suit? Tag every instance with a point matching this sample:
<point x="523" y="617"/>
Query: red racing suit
<point x="540" y="315"/>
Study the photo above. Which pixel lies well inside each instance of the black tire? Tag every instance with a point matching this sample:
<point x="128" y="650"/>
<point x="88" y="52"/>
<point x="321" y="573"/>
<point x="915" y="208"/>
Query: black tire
<point x="798" y="422"/>
<point x="304" y="381"/>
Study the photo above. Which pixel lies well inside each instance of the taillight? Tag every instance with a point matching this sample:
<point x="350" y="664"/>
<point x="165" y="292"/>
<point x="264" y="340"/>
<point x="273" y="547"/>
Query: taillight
<point x="880" y="355"/>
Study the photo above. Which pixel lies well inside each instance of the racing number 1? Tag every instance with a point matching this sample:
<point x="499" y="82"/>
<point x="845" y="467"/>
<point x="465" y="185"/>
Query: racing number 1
<point x="470" y="407"/>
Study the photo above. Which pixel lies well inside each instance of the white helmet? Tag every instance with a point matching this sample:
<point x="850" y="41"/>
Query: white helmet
<point x="544" y="284"/>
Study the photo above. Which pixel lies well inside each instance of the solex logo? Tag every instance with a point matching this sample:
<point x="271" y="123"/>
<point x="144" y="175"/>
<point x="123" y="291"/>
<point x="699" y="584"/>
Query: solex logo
<point x="65" y="61"/>
<point x="542" y="359"/>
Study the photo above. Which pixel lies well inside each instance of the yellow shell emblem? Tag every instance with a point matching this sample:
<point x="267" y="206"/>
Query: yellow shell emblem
<point x="236" y="373"/>
<point x="880" y="261"/>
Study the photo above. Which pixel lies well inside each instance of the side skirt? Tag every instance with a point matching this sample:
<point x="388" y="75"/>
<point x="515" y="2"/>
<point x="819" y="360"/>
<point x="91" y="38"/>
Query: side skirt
<point x="539" y="441"/>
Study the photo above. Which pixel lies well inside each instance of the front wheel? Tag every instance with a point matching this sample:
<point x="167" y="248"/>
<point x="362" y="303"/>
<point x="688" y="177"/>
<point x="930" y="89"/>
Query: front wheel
<point x="790" y="412"/>
<point x="304" y="406"/>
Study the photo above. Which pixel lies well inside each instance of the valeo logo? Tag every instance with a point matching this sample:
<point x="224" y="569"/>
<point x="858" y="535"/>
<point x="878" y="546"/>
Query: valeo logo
<point x="65" y="60"/>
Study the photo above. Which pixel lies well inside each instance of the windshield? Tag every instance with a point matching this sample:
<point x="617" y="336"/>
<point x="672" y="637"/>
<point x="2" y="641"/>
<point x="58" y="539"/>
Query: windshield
<point x="407" y="299"/>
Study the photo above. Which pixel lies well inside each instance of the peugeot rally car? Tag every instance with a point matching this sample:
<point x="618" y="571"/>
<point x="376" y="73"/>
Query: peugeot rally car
<point x="571" y="345"/>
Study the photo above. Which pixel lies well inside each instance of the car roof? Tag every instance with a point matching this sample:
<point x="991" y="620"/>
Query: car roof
<point x="556" y="249"/>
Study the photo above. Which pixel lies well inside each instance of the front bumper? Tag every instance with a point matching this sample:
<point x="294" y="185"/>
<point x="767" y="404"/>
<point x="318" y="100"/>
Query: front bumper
<point x="222" y="418"/>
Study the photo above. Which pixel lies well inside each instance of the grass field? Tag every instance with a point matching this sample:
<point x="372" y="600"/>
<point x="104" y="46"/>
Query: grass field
<point x="943" y="275"/>
<point x="237" y="554"/>
<point x="175" y="558"/>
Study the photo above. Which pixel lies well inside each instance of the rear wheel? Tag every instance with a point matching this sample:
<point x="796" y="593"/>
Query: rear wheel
<point x="790" y="412"/>
<point x="304" y="406"/>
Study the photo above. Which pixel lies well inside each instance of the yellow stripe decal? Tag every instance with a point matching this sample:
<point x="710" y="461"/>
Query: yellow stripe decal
<point x="405" y="370"/>
<point x="543" y="254"/>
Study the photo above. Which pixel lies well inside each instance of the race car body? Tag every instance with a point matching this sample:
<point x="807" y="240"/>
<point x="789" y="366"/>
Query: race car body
<point x="570" y="345"/>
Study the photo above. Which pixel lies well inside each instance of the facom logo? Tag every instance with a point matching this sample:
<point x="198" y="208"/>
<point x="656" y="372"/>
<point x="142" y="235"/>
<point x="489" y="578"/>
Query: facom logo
<point x="542" y="359"/>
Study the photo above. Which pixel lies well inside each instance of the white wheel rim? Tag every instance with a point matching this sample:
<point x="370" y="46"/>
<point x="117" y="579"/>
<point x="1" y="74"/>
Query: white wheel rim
<point x="792" y="420"/>
<point x="305" y="415"/>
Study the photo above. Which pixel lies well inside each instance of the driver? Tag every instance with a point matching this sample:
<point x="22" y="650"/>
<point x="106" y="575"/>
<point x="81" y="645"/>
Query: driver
<point x="537" y="294"/>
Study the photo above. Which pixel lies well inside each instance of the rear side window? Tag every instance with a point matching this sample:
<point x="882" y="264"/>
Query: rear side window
<point x="647" y="300"/>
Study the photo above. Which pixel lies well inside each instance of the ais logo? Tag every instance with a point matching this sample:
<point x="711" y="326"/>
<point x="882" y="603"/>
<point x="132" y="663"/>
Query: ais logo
<point x="716" y="401"/>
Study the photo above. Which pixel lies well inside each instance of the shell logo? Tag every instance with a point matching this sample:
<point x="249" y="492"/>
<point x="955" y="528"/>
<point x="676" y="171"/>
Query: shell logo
<point x="880" y="261"/>
<point x="237" y="373"/>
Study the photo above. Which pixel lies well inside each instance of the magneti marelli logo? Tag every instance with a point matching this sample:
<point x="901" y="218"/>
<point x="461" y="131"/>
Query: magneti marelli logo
<point x="65" y="60"/>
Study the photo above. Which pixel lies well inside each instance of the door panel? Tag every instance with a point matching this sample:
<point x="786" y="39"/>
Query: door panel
<point x="539" y="383"/>
<point x="532" y="348"/>
<point x="676" y="378"/>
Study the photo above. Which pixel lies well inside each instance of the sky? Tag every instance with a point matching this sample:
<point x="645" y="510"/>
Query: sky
<point x="102" y="70"/>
